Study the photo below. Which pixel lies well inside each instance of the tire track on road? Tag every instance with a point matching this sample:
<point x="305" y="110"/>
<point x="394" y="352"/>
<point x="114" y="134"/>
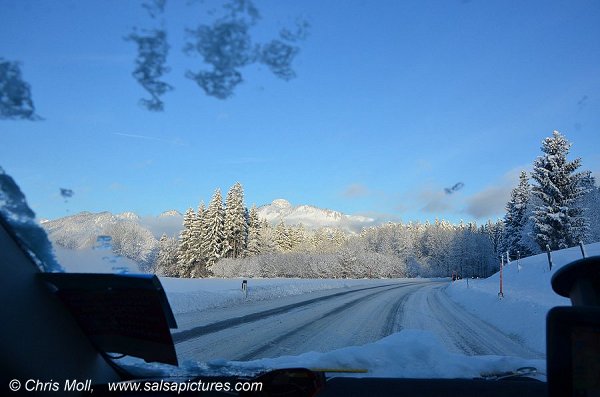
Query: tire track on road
<point x="470" y="334"/>
<point x="196" y="332"/>
<point x="327" y="316"/>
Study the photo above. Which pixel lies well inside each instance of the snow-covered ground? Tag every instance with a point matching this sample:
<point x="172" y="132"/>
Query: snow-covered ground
<point x="407" y="354"/>
<point x="528" y="296"/>
<point x="191" y="295"/>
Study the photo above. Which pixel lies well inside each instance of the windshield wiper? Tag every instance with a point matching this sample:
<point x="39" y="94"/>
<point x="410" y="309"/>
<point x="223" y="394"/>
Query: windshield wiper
<point x="518" y="373"/>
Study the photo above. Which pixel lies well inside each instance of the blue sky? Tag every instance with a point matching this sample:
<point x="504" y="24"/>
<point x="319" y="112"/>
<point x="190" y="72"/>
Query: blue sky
<point x="393" y="101"/>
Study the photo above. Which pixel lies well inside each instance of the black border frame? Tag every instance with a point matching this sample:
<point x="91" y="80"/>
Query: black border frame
<point x="559" y="324"/>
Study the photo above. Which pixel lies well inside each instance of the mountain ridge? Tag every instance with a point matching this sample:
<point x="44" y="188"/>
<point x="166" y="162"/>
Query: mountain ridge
<point x="311" y="217"/>
<point x="80" y="230"/>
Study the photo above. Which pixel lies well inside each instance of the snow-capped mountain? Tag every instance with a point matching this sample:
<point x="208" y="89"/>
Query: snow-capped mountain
<point x="81" y="230"/>
<point x="170" y="213"/>
<point x="87" y="232"/>
<point x="131" y="216"/>
<point x="311" y="217"/>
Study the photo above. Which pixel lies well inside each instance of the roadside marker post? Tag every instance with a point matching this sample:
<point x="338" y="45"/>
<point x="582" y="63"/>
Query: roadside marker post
<point x="501" y="294"/>
<point x="245" y="288"/>
<point x="583" y="253"/>
<point x="549" y="256"/>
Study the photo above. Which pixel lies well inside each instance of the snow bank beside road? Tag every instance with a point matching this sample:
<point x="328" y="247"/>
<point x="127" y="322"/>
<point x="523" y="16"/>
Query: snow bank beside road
<point x="187" y="295"/>
<point x="405" y="354"/>
<point x="528" y="296"/>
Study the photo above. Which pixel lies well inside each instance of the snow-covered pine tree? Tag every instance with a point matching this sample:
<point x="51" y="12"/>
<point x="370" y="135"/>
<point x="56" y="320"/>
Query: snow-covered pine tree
<point x="473" y="262"/>
<point x="516" y="218"/>
<point x="528" y="235"/>
<point x="254" y="233"/>
<point x="337" y="237"/>
<point x="456" y="257"/>
<point x="591" y="204"/>
<point x="247" y="220"/>
<point x="495" y="234"/>
<point x="236" y="228"/>
<point x="318" y="240"/>
<point x="197" y="243"/>
<point x="166" y="259"/>
<point x="213" y="230"/>
<point x="186" y="256"/>
<point x="559" y="220"/>
<point x="303" y="239"/>
<point x="297" y="236"/>
<point x="267" y="237"/>
<point x="159" y="267"/>
<point x="282" y="237"/>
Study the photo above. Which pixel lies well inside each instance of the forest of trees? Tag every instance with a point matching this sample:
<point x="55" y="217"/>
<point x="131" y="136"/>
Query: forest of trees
<point x="556" y="206"/>
<point x="228" y="243"/>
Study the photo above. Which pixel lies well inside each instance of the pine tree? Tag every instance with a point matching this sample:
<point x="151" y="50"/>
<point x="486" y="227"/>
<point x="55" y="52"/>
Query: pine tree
<point x="213" y="229"/>
<point x="318" y="241"/>
<point x="186" y="256"/>
<point x="495" y="234"/>
<point x="559" y="221"/>
<point x="254" y="233"/>
<point x="267" y="237"/>
<point x="198" y="240"/>
<point x="166" y="259"/>
<point x="591" y="204"/>
<point x="517" y="217"/>
<point x="282" y="237"/>
<point x="297" y="235"/>
<point x="337" y="238"/>
<point x="236" y="228"/>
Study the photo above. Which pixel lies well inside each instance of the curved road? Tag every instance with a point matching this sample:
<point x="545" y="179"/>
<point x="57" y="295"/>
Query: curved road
<point x="328" y="320"/>
<point x="431" y="309"/>
<point x="311" y="322"/>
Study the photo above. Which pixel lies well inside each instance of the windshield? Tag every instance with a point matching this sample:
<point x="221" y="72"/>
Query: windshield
<point x="377" y="188"/>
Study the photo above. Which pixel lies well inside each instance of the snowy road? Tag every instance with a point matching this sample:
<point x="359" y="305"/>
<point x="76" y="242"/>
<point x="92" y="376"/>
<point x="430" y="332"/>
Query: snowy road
<point x="327" y="320"/>
<point x="431" y="309"/>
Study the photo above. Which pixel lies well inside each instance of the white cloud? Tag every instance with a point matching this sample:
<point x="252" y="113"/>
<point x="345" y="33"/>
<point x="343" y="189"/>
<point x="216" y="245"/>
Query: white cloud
<point x="491" y="201"/>
<point x="436" y="200"/>
<point x="488" y="202"/>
